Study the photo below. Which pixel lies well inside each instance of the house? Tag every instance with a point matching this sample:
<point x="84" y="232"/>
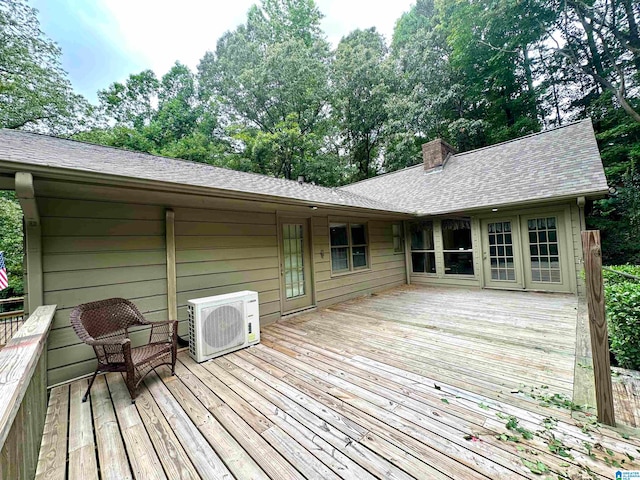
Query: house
<point x="504" y="216"/>
<point x="103" y="222"/>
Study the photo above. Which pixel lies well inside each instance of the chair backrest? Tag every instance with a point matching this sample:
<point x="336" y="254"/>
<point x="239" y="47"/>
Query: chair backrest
<point x="105" y="318"/>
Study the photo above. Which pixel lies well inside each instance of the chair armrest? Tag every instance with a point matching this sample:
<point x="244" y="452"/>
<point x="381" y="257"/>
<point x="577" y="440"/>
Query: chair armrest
<point x="107" y="341"/>
<point x="110" y="350"/>
<point x="164" y="331"/>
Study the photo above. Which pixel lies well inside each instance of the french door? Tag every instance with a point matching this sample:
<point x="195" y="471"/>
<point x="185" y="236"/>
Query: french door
<point x="501" y="253"/>
<point x="546" y="259"/>
<point x="527" y="252"/>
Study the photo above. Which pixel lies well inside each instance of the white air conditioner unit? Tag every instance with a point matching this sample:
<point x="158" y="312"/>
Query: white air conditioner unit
<point x="222" y="324"/>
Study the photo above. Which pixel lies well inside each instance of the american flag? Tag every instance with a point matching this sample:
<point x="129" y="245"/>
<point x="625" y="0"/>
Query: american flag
<point x="4" y="282"/>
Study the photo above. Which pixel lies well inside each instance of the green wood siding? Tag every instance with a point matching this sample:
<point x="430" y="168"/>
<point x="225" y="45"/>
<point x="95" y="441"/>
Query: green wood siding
<point x="386" y="268"/>
<point x="101" y="242"/>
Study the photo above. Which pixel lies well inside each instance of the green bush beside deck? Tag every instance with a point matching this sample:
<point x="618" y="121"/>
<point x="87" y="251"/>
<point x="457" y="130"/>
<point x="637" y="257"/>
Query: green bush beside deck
<point x="623" y="315"/>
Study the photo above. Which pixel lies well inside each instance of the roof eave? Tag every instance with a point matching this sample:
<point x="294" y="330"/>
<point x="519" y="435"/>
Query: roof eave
<point x="57" y="173"/>
<point x="592" y="194"/>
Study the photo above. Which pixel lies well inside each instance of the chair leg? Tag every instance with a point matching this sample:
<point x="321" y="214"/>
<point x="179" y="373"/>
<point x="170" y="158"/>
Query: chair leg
<point x="95" y="374"/>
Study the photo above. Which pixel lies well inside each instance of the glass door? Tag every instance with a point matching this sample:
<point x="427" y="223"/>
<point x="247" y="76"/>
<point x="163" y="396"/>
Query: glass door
<point x="546" y="265"/>
<point x="501" y="253"/>
<point x="295" y="264"/>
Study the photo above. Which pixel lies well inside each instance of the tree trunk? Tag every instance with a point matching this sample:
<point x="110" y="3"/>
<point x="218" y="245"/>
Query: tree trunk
<point x="596" y="58"/>
<point x="554" y="89"/>
<point x="527" y="68"/>
<point x="634" y="38"/>
<point x="529" y="76"/>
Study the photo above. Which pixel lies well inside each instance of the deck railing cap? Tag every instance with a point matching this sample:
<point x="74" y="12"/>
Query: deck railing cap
<point x="18" y="360"/>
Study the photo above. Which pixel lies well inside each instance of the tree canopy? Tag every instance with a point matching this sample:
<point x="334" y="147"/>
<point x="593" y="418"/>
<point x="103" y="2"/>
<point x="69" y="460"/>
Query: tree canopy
<point x="275" y="97"/>
<point x="35" y="92"/>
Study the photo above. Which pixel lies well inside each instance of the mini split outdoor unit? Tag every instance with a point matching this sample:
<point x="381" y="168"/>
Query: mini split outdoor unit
<point x="222" y="324"/>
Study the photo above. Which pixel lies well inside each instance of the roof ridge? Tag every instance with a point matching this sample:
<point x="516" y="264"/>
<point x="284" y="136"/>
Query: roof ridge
<point x="470" y="151"/>
<point x="541" y="132"/>
<point x="385" y="174"/>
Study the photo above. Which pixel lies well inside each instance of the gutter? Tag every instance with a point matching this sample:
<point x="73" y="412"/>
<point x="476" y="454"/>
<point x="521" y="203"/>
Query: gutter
<point x="56" y="173"/>
<point x="594" y="194"/>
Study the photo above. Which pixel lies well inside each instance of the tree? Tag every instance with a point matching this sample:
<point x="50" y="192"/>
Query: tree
<point x="163" y="117"/>
<point x="361" y="77"/>
<point x="11" y="243"/>
<point x="271" y="78"/>
<point x="600" y="40"/>
<point x="492" y="45"/>
<point x="130" y="104"/>
<point x="430" y="99"/>
<point x="35" y="92"/>
<point x="619" y="215"/>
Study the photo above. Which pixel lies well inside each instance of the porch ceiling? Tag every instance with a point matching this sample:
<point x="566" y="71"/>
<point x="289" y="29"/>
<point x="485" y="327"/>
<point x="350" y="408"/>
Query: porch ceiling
<point x="410" y="383"/>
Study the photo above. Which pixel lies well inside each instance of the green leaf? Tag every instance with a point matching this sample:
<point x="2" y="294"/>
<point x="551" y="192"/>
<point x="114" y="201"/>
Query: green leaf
<point x="537" y="467"/>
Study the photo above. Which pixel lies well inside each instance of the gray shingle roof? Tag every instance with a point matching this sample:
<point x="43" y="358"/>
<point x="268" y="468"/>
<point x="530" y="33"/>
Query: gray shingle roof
<point x="556" y="163"/>
<point x="45" y="151"/>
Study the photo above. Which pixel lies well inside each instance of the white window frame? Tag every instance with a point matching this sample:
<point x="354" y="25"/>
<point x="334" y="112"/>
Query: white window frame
<point x="460" y="250"/>
<point x="399" y="236"/>
<point x="432" y="250"/>
<point x="350" y="246"/>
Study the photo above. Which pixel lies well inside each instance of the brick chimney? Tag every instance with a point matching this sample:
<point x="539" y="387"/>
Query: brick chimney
<point x="435" y="153"/>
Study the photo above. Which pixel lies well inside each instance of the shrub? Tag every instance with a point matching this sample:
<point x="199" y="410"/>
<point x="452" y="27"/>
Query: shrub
<point x="623" y="315"/>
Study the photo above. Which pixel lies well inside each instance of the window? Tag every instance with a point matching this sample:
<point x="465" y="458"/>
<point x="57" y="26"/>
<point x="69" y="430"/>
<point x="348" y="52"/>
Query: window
<point x="456" y="246"/>
<point x="293" y="256"/>
<point x="501" y="251"/>
<point x="349" y="248"/>
<point x="544" y="250"/>
<point x="398" y="238"/>
<point x="423" y="255"/>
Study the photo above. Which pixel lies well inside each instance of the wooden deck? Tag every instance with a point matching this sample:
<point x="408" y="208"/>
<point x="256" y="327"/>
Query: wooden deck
<point x="412" y="383"/>
<point x="626" y="396"/>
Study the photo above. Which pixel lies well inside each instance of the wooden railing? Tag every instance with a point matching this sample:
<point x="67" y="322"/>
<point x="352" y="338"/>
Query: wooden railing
<point x="23" y="395"/>
<point x="10" y="321"/>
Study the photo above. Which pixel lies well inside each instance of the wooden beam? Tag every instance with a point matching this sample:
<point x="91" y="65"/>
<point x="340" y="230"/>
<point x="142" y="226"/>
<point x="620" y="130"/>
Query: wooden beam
<point x="598" y="325"/>
<point x="172" y="306"/>
<point x="407" y="251"/>
<point x="33" y="239"/>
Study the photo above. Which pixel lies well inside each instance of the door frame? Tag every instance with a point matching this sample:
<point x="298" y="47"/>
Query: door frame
<point x="516" y="240"/>
<point x="565" y="251"/>
<point x="282" y="218"/>
<point x="563" y="212"/>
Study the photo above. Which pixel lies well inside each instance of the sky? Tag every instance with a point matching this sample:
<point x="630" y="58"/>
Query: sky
<point x="103" y="41"/>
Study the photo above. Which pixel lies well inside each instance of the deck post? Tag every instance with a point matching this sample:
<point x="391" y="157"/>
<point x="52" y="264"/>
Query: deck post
<point x="172" y="308"/>
<point x="598" y="325"/>
<point x="407" y="251"/>
<point x="25" y="193"/>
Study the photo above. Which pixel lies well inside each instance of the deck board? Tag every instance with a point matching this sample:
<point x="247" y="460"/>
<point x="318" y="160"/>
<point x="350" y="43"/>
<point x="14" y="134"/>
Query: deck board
<point x="626" y="397"/>
<point x="412" y="383"/>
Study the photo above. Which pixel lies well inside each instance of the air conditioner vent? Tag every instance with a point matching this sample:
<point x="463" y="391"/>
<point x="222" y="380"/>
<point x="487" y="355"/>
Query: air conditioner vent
<point x="222" y="324"/>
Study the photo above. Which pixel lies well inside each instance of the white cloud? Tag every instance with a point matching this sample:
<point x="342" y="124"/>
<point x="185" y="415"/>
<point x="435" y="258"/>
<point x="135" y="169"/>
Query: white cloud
<point x="344" y="16"/>
<point x="159" y="33"/>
